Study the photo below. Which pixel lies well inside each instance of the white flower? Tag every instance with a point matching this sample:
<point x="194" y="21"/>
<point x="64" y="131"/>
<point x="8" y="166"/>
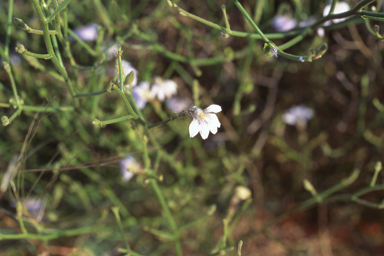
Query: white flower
<point x="176" y="104"/>
<point x="339" y="8"/>
<point x="87" y="33"/>
<point x="204" y="121"/>
<point x="163" y="89"/>
<point x="141" y="94"/>
<point x="128" y="167"/>
<point x="282" y="23"/>
<point x="127" y="68"/>
<point x="297" y="114"/>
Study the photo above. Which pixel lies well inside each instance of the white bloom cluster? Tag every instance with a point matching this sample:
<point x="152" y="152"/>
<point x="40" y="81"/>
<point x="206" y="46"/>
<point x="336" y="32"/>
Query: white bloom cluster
<point x="297" y="114"/>
<point x="161" y="89"/>
<point x="128" y="167"/>
<point x="204" y="121"/>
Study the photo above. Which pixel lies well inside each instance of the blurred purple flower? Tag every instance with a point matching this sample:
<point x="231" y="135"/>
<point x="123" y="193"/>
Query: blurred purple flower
<point x="177" y="104"/>
<point x="141" y="94"/>
<point x="297" y="114"/>
<point x="87" y="33"/>
<point x="128" y="167"/>
<point x="34" y="206"/>
<point x="282" y="23"/>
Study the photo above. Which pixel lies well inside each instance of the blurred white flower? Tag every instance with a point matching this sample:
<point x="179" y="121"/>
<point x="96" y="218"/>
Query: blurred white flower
<point x="87" y="33"/>
<point x="204" y="121"/>
<point x="282" y="23"/>
<point x="127" y="68"/>
<point x="128" y="167"/>
<point x="339" y="8"/>
<point x="177" y="104"/>
<point x="34" y="206"/>
<point x="320" y="32"/>
<point x="141" y="94"/>
<point x="163" y="89"/>
<point x="243" y="193"/>
<point x="297" y="114"/>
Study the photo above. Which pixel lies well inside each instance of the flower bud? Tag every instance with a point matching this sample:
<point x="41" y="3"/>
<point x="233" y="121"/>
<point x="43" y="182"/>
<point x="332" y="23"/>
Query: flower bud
<point x="270" y="50"/>
<point x="321" y="50"/>
<point x="20" y="23"/>
<point x="228" y="53"/>
<point x="5" y="120"/>
<point x="129" y="78"/>
<point x="20" y="48"/>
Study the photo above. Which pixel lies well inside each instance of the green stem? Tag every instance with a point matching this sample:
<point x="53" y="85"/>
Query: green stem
<point x="66" y="233"/>
<point x="117" y="216"/>
<point x="92" y="93"/>
<point x="168" y="215"/>
<point x="306" y="204"/>
<point x="178" y="115"/>
<point x="121" y="71"/>
<point x="82" y="43"/>
<point x="112" y="121"/>
<point x="126" y="102"/>
<point x="58" y="10"/>
<point x="21" y="24"/>
<point x="7" y="68"/>
<point x="50" y="50"/>
<point x="333" y="5"/>
<point x="9" y="27"/>
<point x="39" y="109"/>
<point x="20" y="49"/>
<point x="232" y="32"/>
<point x="250" y="20"/>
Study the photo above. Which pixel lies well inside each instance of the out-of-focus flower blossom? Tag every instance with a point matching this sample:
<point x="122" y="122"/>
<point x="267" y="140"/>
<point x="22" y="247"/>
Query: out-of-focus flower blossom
<point x="243" y="193"/>
<point x="87" y="33"/>
<point x="127" y="68"/>
<point x="339" y="8"/>
<point x="176" y="104"/>
<point x="15" y="59"/>
<point x="306" y="23"/>
<point x="297" y="114"/>
<point x="128" y="167"/>
<point x="282" y="23"/>
<point x="163" y="89"/>
<point x="111" y="52"/>
<point x="141" y="94"/>
<point x="34" y="206"/>
<point x="320" y="32"/>
<point x="204" y="121"/>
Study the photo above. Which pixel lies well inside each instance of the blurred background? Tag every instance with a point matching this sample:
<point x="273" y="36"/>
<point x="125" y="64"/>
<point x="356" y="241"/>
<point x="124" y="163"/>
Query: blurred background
<point x="282" y="122"/>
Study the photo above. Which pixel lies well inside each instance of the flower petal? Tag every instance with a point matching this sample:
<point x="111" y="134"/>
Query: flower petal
<point x="214" y="120"/>
<point x="213" y="109"/>
<point x="204" y="130"/>
<point x="194" y="128"/>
